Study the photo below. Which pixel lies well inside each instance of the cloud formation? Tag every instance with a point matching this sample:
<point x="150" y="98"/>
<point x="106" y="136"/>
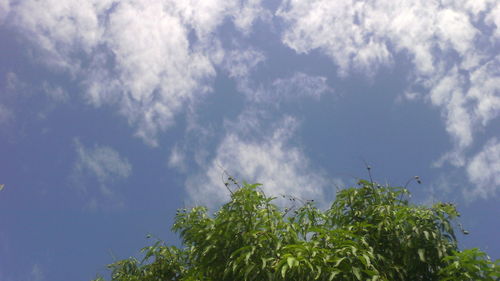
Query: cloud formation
<point x="6" y="115"/>
<point x="240" y="63"/>
<point x="37" y="273"/>
<point x="299" y="85"/>
<point x="149" y="58"/>
<point x="283" y="168"/>
<point x="454" y="60"/>
<point x="103" y="164"/>
<point x="12" y="89"/>
<point x="296" y="87"/>
<point x="4" y="9"/>
<point x="484" y="171"/>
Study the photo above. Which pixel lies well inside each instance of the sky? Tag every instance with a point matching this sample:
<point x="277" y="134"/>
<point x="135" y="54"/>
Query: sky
<point x="113" y="114"/>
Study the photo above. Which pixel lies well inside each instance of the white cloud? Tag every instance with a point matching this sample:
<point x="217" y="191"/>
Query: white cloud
<point x="282" y="168"/>
<point x="245" y="16"/>
<point x="205" y="16"/>
<point x="14" y="94"/>
<point x="493" y="19"/>
<point x="297" y="86"/>
<point x="455" y="28"/>
<point x="177" y="159"/>
<point x="282" y="90"/>
<point x="6" y="115"/>
<point x="55" y="93"/>
<point x="453" y="59"/>
<point x="484" y="171"/>
<point x="240" y="63"/>
<point x="12" y="91"/>
<point x="448" y="93"/>
<point x="14" y="85"/>
<point x="485" y="90"/>
<point x="256" y="148"/>
<point x="37" y="273"/>
<point x="62" y="29"/>
<point x="4" y="9"/>
<point x="103" y="164"/>
<point x="158" y="73"/>
<point x="135" y="54"/>
<point x="338" y="28"/>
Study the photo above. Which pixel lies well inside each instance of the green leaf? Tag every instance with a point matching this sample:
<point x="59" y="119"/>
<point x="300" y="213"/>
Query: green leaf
<point x="421" y="255"/>
<point x="369" y="233"/>
<point x="248" y="270"/>
<point x="366" y="260"/>
<point x="247" y="257"/>
<point x="283" y="270"/>
<point x="319" y="272"/>
<point x="332" y="275"/>
<point x="339" y="261"/>
<point x="291" y="261"/>
<point x="357" y="272"/>
<point x="264" y="261"/>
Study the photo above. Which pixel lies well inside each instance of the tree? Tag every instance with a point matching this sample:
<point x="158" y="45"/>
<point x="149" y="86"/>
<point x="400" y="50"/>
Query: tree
<point x="370" y="232"/>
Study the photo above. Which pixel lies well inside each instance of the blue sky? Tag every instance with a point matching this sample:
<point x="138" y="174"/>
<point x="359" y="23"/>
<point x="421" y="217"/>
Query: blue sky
<point x="113" y="114"/>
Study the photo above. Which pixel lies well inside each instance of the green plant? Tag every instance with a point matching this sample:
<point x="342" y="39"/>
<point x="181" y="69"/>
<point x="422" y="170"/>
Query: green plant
<point x="370" y="232"/>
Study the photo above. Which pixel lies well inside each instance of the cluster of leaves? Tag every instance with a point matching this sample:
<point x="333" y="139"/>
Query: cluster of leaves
<point x="370" y="232"/>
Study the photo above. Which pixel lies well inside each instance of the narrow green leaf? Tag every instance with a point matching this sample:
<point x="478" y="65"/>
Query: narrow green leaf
<point x="421" y="255"/>
<point x="283" y="271"/>
<point x="319" y="272"/>
<point x="367" y="259"/>
<point x="339" y="261"/>
<point x="332" y="275"/>
<point x="264" y="261"/>
<point x="248" y="270"/>
<point x="357" y="272"/>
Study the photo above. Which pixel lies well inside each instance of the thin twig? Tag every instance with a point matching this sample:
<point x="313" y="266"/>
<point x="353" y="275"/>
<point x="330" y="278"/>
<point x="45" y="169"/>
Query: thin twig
<point x="368" y="168"/>
<point x="226" y="184"/>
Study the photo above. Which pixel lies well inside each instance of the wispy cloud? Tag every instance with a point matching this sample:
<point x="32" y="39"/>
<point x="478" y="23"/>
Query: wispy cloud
<point x="6" y="115"/>
<point x="484" y="171"/>
<point x="240" y="63"/>
<point x="454" y="59"/>
<point x="296" y="87"/>
<point x="4" y="9"/>
<point x="37" y="273"/>
<point x="493" y="16"/>
<point x="102" y="164"/>
<point x="177" y="159"/>
<point x="284" y="169"/>
<point x="137" y="55"/>
<point x="12" y="90"/>
<point x="249" y="11"/>
<point x="54" y="92"/>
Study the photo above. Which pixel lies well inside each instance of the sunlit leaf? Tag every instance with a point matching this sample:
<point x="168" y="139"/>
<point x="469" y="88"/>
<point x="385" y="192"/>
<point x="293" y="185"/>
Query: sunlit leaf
<point x="421" y="255"/>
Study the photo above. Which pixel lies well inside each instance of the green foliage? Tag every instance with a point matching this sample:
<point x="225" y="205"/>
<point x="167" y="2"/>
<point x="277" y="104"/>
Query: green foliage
<point x="369" y="233"/>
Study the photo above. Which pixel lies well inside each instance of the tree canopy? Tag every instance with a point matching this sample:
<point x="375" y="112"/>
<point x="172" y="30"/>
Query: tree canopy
<point x="370" y="232"/>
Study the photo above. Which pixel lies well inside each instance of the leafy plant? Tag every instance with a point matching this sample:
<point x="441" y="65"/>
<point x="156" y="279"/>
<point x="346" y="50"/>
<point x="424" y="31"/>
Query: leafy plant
<point x="370" y="232"/>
